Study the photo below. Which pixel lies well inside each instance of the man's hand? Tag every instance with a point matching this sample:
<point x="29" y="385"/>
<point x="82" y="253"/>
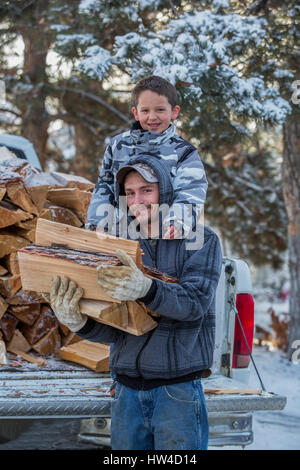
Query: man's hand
<point x="64" y="300"/>
<point x="125" y="282"/>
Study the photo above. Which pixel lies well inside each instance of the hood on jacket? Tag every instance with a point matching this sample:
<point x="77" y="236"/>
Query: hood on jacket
<point x="166" y="191"/>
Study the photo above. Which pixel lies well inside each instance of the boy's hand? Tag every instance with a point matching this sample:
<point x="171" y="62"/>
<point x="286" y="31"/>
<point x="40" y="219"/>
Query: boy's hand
<point x="124" y="282"/>
<point x="171" y="233"/>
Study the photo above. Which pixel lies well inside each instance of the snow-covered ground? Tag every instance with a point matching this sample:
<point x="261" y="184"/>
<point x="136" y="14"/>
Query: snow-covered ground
<point x="274" y="430"/>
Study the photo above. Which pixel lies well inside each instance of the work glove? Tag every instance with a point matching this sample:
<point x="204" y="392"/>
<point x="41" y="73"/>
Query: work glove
<point x="124" y="282"/>
<point x="64" y="301"/>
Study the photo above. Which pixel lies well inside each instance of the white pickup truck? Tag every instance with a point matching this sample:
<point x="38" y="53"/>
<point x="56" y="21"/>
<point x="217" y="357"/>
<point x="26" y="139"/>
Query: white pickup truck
<point x="66" y="390"/>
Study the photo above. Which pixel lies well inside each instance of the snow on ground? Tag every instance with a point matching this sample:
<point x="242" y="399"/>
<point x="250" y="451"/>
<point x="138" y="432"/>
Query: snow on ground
<point x="279" y="429"/>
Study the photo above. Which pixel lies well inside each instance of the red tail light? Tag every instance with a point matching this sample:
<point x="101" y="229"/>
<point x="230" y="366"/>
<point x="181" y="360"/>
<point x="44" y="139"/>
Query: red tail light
<point x="245" y="307"/>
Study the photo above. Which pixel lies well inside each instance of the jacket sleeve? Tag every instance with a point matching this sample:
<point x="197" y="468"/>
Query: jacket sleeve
<point x="97" y="332"/>
<point x="190" y="187"/>
<point x="191" y="298"/>
<point x="103" y="194"/>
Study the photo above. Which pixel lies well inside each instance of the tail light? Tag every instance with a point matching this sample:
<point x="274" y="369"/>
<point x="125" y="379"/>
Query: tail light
<point x="245" y="308"/>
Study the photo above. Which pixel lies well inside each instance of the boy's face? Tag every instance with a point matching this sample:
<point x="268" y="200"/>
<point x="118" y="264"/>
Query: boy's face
<point x="154" y="111"/>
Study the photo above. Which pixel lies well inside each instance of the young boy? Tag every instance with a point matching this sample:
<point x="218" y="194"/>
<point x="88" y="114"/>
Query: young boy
<point x="155" y="106"/>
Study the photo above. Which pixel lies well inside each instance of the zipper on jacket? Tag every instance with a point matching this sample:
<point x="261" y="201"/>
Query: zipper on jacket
<point x="137" y="365"/>
<point x="137" y="362"/>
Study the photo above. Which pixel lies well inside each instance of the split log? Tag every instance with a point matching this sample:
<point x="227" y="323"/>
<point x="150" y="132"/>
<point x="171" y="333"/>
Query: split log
<point x="10" y="214"/>
<point x="49" y="343"/>
<point x="23" y="297"/>
<point x="73" y="198"/>
<point x="19" y="196"/>
<point x="9" y="242"/>
<point x="71" y="338"/>
<point x="35" y="360"/>
<point x="10" y="284"/>
<point x="39" y="264"/>
<point x="11" y="263"/>
<point x="3" y="306"/>
<point x="49" y="233"/>
<point x="38" y="195"/>
<point x="72" y="181"/>
<point x="18" y="342"/>
<point x="3" y="270"/>
<point x="8" y="325"/>
<point x="131" y="317"/>
<point x="27" y="314"/>
<point x="95" y="356"/>
<point x="27" y="224"/>
<point x="27" y="234"/>
<point x="232" y="391"/>
<point x="2" y="193"/>
<point x="62" y="215"/>
<point x="45" y="322"/>
<point x="3" y="358"/>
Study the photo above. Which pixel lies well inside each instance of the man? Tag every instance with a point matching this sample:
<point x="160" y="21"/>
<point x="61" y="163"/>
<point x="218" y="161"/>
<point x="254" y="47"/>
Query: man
<point x="159" y="401"/>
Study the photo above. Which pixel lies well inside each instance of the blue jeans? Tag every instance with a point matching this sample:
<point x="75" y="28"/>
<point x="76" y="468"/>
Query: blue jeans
<point x="169" y="417"/>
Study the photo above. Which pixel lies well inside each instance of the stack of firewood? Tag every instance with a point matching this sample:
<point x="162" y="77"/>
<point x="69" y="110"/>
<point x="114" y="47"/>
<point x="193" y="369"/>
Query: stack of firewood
<point x="27" y="323"/>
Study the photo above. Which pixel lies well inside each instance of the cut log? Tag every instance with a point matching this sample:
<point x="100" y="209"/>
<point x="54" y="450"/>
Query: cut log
<point x="10" y="215"/>
<point x="38" y="195"/>
<point x="73" y="198"/>
<point x="37" y="272"/>
<point x="19" y="196"/>
<point x="8" y="325"/>
<point x="45" y="322"/>
<point x="27" y="314"/>
<point x="63" y="328"/>
<point x="35" y="360"/>
<point x="3" y="306"/>
<point x="48" y="233"/>
<point x="95" y="356"/>
<point x="10" y="284"/>
<point x="71" y="338"/>
<point x="72" y="181"/>
<point x="49" y="343"/>
<point x="2" y="193"/>
<point x="232" y="391"/>
<point x="9" y="242"/>
<point x="131" y="317"/>
<point x="109" y="313"/>
<point x="61" y="215"/>
<point x="27" y="224"/>
<point x="27" y="234"/>
<point x="18" y="342"/>
<point x="23" y="297"/>
<point x="3" y="270"/>
<point x="3" y="357"/>
<point x="11" y="263"/>
<point x="139" y="320"/>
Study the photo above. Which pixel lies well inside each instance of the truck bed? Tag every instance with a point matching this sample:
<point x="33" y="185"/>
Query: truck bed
<point x="66" y="390"/>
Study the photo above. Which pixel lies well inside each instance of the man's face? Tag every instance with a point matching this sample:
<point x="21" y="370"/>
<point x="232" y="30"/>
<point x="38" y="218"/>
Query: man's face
<point x="142" y="197"/>
<point x="154" y="111"/>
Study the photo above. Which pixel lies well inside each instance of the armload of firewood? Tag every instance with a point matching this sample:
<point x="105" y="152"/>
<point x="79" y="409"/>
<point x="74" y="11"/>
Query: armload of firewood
<point x="27" y="323"/>
<point x="42" y="216"/>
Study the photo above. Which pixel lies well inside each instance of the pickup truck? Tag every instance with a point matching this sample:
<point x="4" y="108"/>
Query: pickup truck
<point x="65" y="390"/>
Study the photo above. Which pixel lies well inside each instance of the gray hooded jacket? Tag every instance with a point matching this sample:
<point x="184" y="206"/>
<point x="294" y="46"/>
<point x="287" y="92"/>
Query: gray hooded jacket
<point x="183" y="341"/>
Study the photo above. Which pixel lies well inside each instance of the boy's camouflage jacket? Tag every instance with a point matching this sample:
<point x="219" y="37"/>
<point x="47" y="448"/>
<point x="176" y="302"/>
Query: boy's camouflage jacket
<point x="180" y="157"/>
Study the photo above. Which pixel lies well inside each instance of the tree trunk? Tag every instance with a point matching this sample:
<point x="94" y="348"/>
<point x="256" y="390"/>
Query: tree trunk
<point x="291" y="192"/>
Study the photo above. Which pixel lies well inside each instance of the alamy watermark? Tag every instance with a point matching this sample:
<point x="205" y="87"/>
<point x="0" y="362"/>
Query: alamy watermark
<point x="296" y="354"/>
<point x="188" y="220"/>
<point x="2" y="92"/>
<point x="296" y="92"/>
